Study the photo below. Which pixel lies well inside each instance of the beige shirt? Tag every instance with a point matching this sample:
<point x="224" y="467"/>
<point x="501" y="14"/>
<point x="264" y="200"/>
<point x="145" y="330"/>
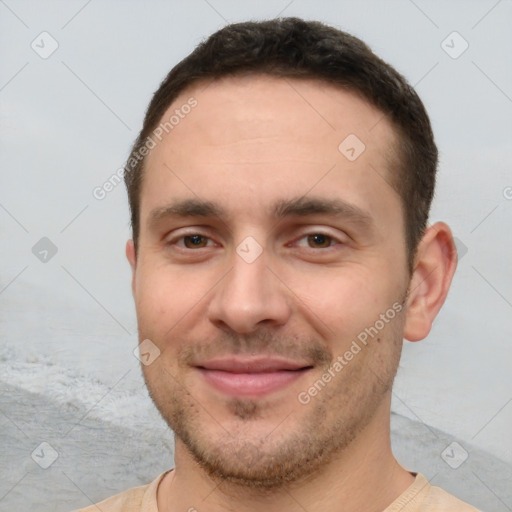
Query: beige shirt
<point x="420" y="496"/>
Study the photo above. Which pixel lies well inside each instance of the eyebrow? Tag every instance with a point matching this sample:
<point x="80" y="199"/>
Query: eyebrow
<point x="305" y="206"/>
<point x="186" y="208"/>
<point x="295" y="207"/>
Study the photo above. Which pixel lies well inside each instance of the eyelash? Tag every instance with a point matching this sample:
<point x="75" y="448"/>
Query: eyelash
<point x="173" y="241"/>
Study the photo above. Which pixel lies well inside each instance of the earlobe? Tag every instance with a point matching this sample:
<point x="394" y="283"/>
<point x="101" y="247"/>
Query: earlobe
<point x="131" y="256"/>
<point x="435" y="265"/>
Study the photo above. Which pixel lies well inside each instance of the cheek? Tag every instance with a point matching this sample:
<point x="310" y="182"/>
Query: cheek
<point x="338" y="292"/>
<point x="167" y="297"/>
<point x="158" y="300"/>
<point x="345" y="301"/>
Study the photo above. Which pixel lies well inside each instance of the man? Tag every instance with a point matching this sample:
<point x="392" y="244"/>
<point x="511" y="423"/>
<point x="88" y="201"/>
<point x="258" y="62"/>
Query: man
<point x="279" y="194"/>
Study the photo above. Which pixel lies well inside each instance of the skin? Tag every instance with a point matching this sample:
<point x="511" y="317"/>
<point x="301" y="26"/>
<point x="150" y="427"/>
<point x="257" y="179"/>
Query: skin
<point x="252" y="141"/>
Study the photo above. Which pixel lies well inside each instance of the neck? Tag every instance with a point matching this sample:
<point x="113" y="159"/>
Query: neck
<point x="365" y="476"/>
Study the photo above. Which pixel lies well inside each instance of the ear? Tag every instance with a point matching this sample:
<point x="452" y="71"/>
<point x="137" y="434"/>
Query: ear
<point x="435" y="263"/>
<point x="131" y="255"/>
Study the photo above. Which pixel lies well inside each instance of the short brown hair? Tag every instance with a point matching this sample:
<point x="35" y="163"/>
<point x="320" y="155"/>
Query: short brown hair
<point x="294" y="48"/>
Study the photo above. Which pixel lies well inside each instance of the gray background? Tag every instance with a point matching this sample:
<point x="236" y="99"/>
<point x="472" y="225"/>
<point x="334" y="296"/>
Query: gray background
<point x="68" y="376"/>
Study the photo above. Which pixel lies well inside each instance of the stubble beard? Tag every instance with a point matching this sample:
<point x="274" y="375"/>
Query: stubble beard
<point x="284" y="455"/>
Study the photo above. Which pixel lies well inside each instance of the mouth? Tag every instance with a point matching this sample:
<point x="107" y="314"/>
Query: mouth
<point x="252" y="377"/>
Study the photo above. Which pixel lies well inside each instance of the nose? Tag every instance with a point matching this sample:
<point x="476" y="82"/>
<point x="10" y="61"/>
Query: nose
<point x="249" y="296"/>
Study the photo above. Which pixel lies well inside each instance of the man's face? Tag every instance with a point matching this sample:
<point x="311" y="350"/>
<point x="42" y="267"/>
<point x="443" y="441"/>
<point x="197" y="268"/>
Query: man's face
<point x="277" y="277"/>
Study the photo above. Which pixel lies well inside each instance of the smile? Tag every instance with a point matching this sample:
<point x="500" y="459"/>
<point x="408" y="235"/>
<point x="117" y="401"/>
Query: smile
<point x="251" y="377"/>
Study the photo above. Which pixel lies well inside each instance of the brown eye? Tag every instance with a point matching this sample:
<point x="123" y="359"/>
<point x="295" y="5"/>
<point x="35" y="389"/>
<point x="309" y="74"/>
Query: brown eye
<point x="319" y="240"/>
<point x="194" y="241"/>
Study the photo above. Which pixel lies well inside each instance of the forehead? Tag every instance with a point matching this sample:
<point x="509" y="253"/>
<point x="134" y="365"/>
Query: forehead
<point x="266" y="138"/>
<point x="232" y="109"/>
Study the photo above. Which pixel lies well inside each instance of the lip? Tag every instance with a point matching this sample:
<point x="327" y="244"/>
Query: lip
<point x="260" y="364"/>
<point x="253" y="377"/>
